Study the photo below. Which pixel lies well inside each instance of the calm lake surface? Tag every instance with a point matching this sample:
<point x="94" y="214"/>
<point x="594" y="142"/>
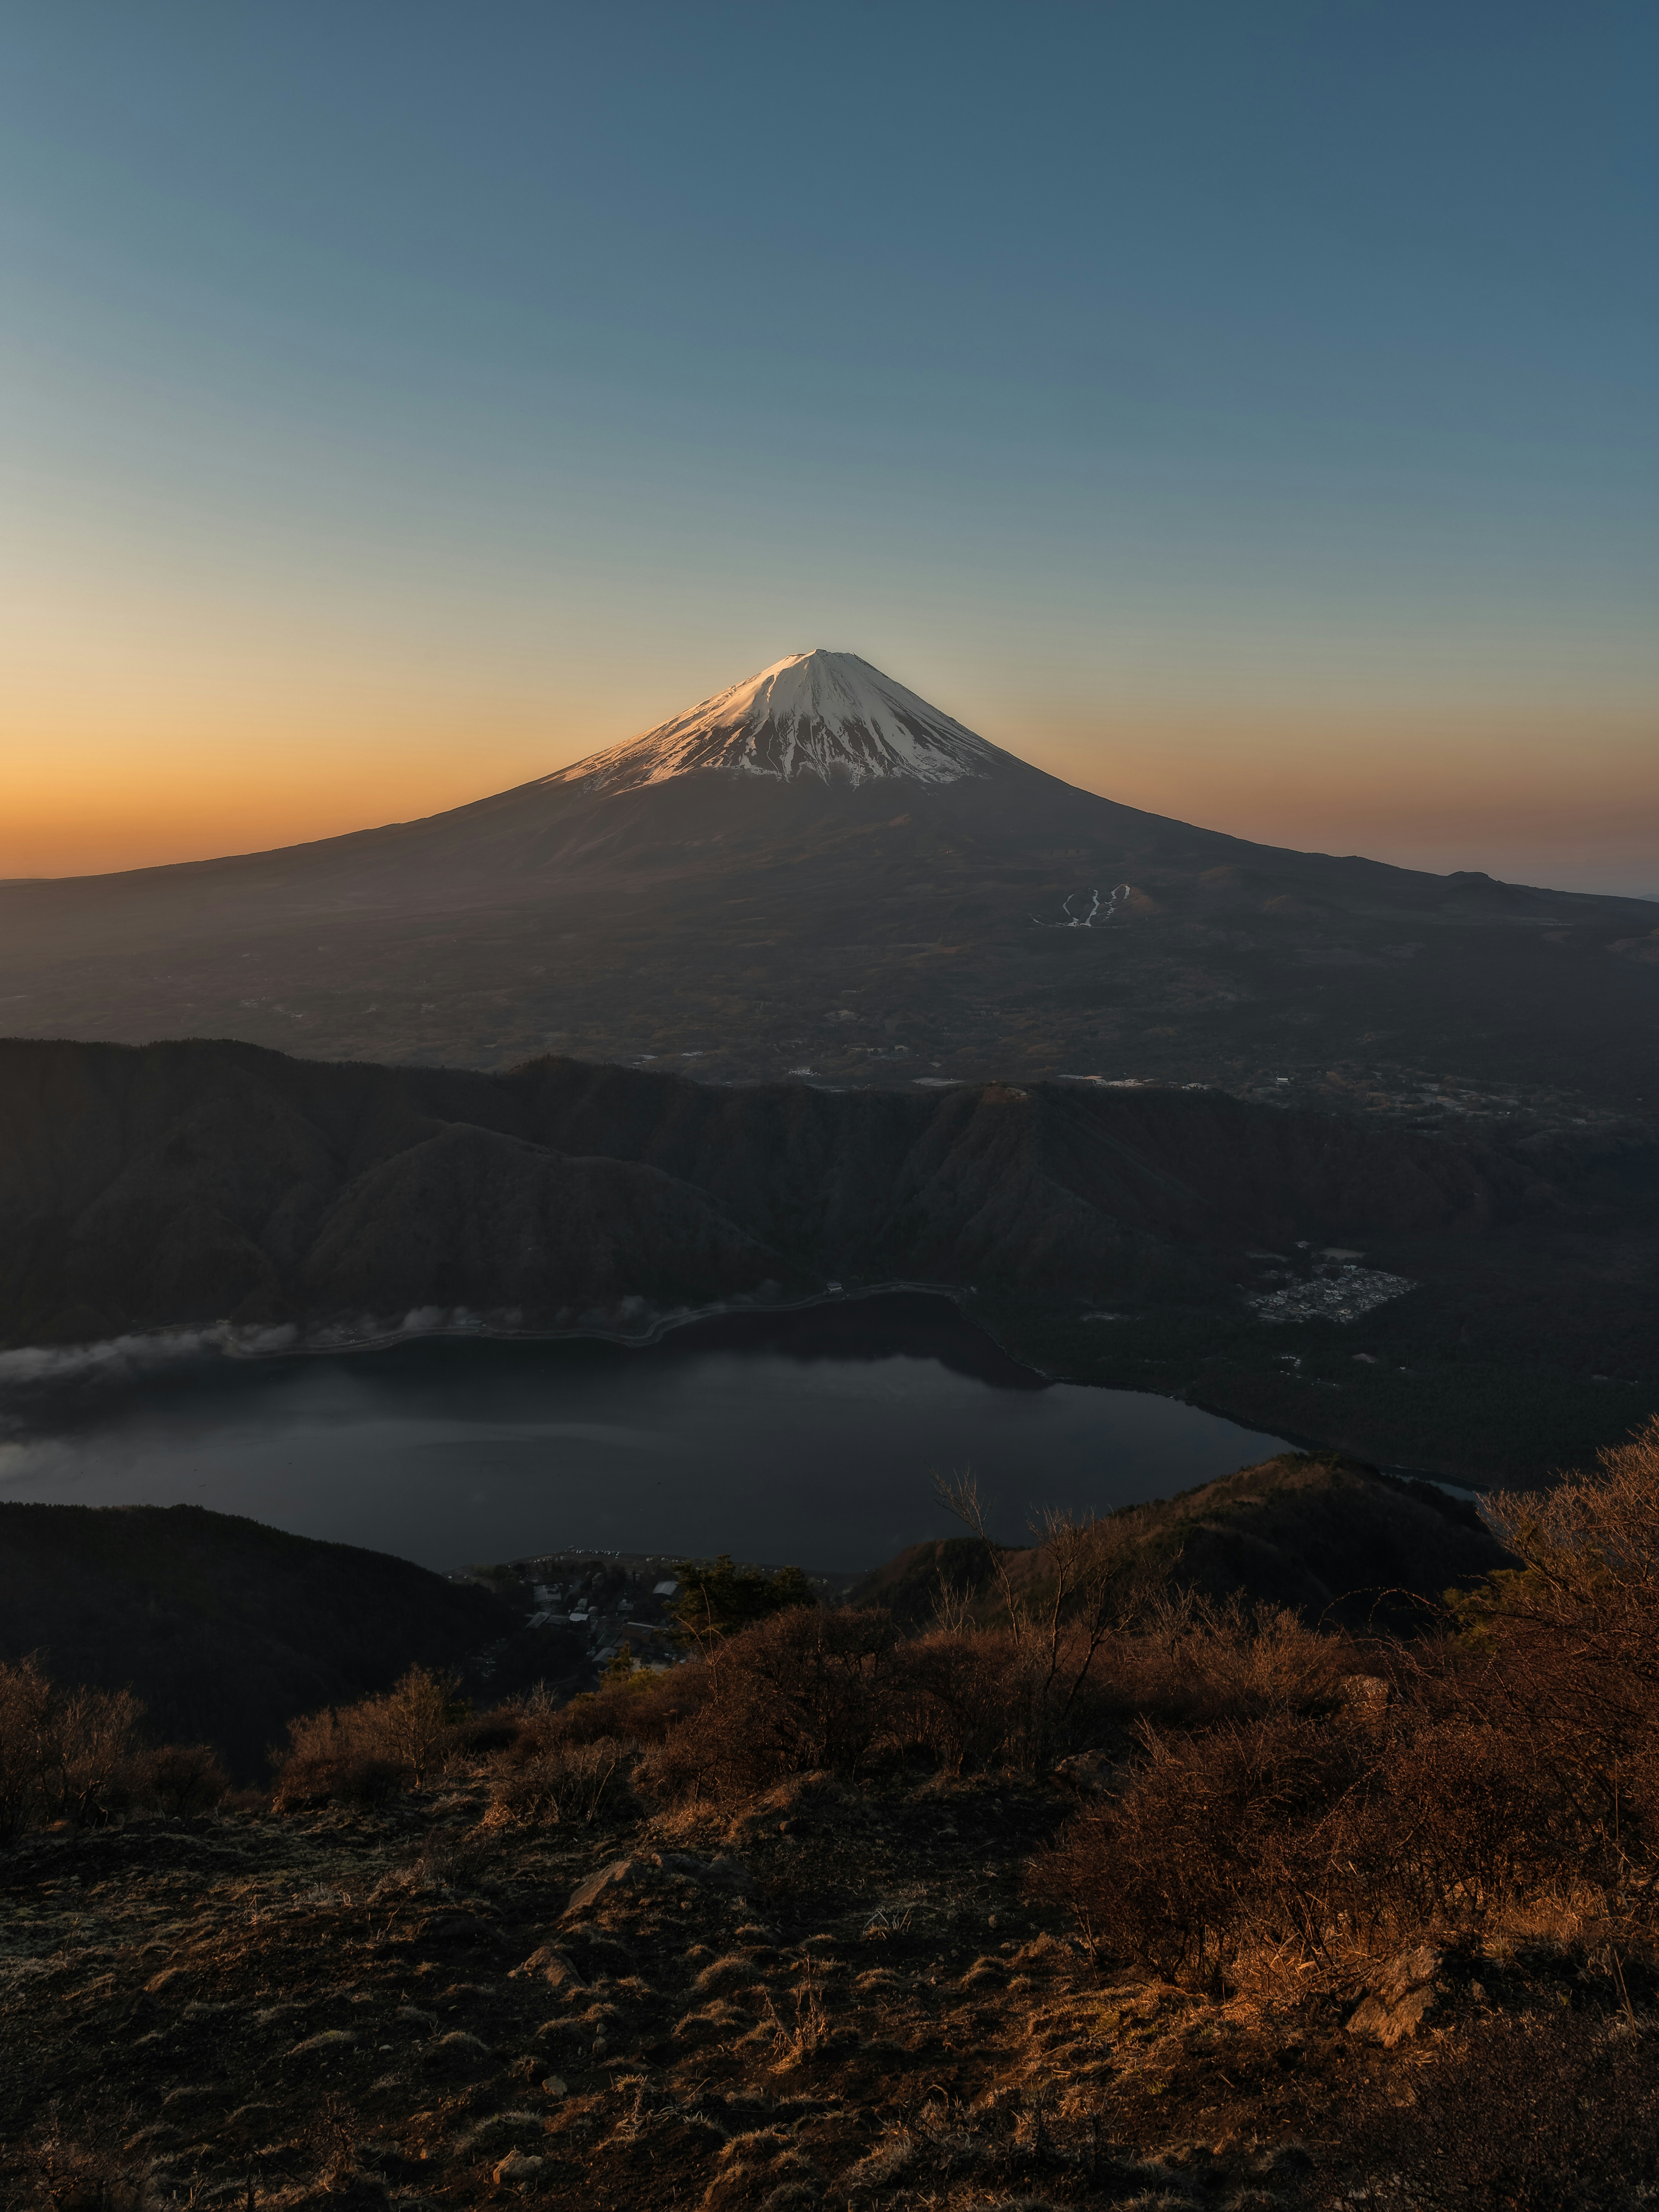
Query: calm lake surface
<point x="812" y="1438"/>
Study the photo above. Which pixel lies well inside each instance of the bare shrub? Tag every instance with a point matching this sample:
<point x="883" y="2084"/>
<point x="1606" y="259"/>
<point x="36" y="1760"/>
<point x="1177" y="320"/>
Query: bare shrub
<point x="64" y="1755"/>
<point x="413" y="1723"/>
<point x="332" y="2137"/>
<point x="180" y="1778"/>
<point x="804" y="1692"/>
<point x="1191" y="1660"/>
<point x="1086" y="1588"/>
<point x="565" y="1783"/>
<point x="815" y="1690"/>
<point x="1475" y="1826"/>
<point x="987" y="1698"/>
<point x="350" y="1779"/>
<point x="85" y="1761"/>
<point x="366" y="1752"/>
<point x="958" y="1711"/>
<point x="1171" y="1875"/>
<point x="1089" y="1628"/>
<point x="1589" y="1547"/>
<point x="644" y="1707"/>
<point x="1335" y="1837"/>
<point x="26" y="1700"/>
<point x="1562" y="1657"/>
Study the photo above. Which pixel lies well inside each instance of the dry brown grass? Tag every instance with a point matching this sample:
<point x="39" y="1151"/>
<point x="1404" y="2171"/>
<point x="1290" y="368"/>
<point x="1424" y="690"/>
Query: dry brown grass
<point x="806" y="1690"/>
<point x="1507" y="1784"/>
<point x="1535" y="2115"/>
<point x="562" y="1783"/>
<point x="1258" y="1824"/>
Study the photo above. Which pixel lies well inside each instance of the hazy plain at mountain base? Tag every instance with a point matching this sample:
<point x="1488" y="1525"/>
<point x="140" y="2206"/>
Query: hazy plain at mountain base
<point x="817" y="870"/>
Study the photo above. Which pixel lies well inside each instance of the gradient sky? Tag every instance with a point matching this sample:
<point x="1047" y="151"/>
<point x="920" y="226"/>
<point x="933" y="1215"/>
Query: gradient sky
<point x="1245" y="411"/>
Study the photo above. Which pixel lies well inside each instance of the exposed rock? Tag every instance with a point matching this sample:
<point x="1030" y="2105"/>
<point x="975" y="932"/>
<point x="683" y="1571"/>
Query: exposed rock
<point x="720" y="1873"/>
<point x="621" y="1874"/>
<point x="1405" y="1991"/>
<point x="1090" y="1773"/>
<point x="518" y="2167"/>
<point x="551" y="1964"/>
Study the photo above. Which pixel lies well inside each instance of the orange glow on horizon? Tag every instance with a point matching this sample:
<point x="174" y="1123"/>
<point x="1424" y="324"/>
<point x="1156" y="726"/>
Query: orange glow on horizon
<point x="1445" y="792"/>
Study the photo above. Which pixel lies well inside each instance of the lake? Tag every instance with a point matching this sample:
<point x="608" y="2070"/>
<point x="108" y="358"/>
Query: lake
<point x="812" y="1437"/>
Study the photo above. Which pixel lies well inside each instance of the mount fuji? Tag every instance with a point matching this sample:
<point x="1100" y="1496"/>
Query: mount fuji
<point x="825" y="714"/>
<point x="817" y="874"/>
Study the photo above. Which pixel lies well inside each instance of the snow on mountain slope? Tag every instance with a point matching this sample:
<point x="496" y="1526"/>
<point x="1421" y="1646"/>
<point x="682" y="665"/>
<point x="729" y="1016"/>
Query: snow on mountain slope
<point x="824" y="714"/>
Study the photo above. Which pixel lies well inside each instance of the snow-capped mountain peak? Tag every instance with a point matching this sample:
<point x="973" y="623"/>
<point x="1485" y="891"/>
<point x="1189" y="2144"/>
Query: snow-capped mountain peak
<point x="825" y="714"/>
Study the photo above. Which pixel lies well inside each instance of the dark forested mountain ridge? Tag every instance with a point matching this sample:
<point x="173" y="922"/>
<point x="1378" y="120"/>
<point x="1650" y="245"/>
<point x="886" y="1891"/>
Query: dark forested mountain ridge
<point x="190" y="1181"/>
<point x="1126" y="1235"/>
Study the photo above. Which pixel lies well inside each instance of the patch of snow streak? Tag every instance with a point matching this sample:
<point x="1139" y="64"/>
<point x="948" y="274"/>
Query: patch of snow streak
<point x="825" y="714"/>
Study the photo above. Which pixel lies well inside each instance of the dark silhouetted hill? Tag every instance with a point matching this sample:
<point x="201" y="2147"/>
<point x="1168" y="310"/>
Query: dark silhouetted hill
<point x="225" y="1628"/>
<point x="1336" y="1541"/>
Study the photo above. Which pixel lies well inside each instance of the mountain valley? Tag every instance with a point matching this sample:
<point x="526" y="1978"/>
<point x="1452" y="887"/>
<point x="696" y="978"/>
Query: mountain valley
<point x="1481" y="1304"/>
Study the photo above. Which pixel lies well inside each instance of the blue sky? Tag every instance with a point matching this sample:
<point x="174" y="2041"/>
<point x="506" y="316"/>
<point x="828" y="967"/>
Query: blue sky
<point x="1246" y="412"/>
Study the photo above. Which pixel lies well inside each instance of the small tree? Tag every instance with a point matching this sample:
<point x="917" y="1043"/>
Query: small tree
<point x="63" y="1752"/>
<point x="26" y="1700"/>
<point x="94" y="1735"/>
<point x="717" y="1598"/>
<point x="416" y="1718"/>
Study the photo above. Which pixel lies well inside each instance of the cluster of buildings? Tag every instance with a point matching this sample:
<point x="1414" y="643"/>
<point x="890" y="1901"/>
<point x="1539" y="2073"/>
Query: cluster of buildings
<point x="611" y="1598"/>
<point x="1335" y="1288"/>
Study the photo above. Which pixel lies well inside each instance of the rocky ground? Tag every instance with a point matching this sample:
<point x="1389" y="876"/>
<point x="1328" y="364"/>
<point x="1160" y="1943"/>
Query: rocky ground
<point x="836" y="1997"/>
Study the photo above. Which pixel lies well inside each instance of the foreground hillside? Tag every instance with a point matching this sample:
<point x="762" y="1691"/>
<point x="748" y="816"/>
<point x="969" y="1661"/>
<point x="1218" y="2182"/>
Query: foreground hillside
<point x="824" y="1994"/>
<point x="1126" y="1898"/>
<point x="1503" y="1311"/>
